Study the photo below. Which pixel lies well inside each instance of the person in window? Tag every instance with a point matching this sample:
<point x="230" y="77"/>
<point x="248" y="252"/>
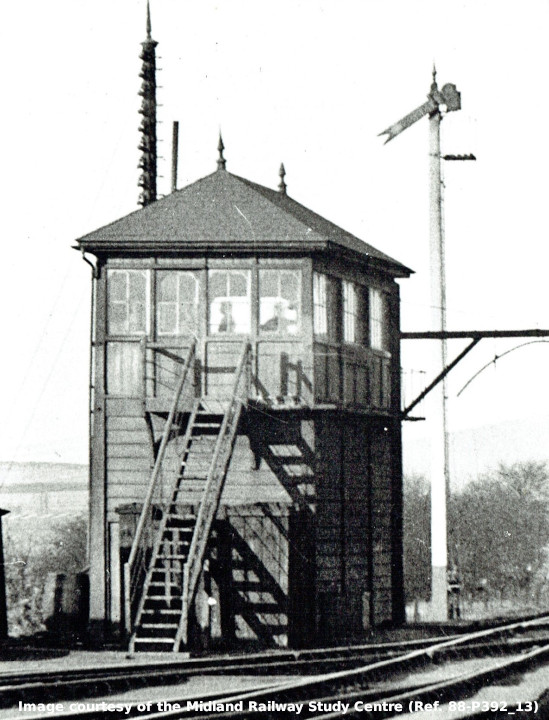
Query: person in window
<point x="226" y="324"/>
<point x="273" y="324"/>
<point x="283" y="319"/>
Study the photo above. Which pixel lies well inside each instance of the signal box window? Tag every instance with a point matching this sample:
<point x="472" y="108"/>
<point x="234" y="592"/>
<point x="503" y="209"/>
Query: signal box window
<point x="326" y="303"/>
<point x="355" y="313"/>
<point x="279" y="301"/>
<point x="229" y="302"/>
<point x="127" y="302"/>
<point x="177" y="299"/>
<point x="378" y="312"/>
<point x="350" y="312"/>
<point x="320" y="304"/>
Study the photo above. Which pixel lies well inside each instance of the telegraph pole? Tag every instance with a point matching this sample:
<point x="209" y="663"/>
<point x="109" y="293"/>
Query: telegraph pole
<point x="437" y="409"/>
<point x="449" y="97"/>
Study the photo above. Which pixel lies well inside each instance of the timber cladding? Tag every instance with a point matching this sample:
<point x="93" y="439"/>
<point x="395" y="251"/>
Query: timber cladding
<point x="302" y="546"/>
<point x="129" y="453"/>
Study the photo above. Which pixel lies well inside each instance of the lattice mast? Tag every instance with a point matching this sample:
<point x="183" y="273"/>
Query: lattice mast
<point x="147" y="164"/>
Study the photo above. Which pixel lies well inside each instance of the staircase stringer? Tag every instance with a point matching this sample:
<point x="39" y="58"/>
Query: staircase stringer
<point x="211" y="496"/>
<point x="187" y="441"/>
<point x="202" y="531"/>
<point x="137" y="565"/>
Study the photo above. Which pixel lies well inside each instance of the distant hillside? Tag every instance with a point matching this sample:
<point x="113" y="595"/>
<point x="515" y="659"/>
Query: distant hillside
<point x="477" y="450"/>
<point x="43" y="489"/>
<point x="22" y="473"/>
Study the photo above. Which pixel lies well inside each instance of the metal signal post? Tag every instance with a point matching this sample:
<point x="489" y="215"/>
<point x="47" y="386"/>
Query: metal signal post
<point x="449" y="97"/>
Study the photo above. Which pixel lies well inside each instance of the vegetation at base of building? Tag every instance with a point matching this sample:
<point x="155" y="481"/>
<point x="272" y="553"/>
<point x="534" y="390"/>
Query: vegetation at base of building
<point x="34" y="549"/>
<point x="498" y="536"/>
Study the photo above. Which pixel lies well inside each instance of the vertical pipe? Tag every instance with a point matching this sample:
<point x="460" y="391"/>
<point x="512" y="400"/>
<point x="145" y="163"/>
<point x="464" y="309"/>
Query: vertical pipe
<point x="438" y="407"/>
<point x="175" y="153"/>
<point x="3" y="604"/>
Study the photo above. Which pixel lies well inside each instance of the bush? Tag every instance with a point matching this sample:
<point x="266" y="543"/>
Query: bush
<point x="498" y="530"/>
<point x="31" y="553"/>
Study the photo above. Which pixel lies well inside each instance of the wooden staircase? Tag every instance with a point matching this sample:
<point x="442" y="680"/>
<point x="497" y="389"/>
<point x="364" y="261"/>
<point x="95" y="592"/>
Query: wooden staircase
<point x="167" y="559"/>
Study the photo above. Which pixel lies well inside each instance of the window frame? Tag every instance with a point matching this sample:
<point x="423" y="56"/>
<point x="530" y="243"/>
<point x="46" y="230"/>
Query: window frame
<point x="179" y="331"/>
<point x="350" y="310"/>
<point x="377" y="319"/>
<point x="298" y="275"/>
<point x="244" y="271"/>
<point x="110" y="303"/>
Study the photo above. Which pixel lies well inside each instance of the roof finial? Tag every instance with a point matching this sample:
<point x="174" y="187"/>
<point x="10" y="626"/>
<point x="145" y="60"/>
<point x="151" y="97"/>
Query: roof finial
<point x="282" y="185"/>
<point x="434" y="85"/>
<point x="148" y="21"/>
<point x="221" y="162"/>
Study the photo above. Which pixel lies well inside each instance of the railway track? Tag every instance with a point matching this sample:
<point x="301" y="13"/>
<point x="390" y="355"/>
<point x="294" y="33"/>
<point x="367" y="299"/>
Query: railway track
<point x="44" y="685"/>
<point x="359" y="681"/>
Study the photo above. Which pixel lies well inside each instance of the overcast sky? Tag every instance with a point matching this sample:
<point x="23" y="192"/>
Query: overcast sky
<point x="310" y="83"/>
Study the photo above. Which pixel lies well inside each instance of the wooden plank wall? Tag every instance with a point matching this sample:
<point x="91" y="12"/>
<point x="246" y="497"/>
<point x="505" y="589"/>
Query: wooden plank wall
<point x="353" y="525"/>
<point x="337" y="466"/>
<point x="259" y="540"/>
<point x="129" y="454"/>
<point x="381" y="464"/>
<point x="356" y="520"/>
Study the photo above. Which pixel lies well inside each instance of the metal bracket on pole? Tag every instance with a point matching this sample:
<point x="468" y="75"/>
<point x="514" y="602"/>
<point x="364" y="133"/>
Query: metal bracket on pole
<point x="439" y="377"/>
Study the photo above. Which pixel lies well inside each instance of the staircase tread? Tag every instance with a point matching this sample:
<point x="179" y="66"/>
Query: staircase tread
<point x="158" y="626"/>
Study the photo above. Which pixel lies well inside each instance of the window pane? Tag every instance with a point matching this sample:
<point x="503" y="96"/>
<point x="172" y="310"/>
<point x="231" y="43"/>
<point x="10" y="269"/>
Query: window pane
<point x="137" y="317"/>
<point x="138" y="286"/>
<point x="177" y="302"/>
<point x="268" y="283"/>
<point x="217" y="282"/>
<point x="290" y="286"/>
<point x="117" y="286"/>
<point x="118" y="318"/>
<point x="320" y="304"/>
<point x="279" y="301"/>
<point x="188" y="319"/>
<point x="377" y="319"/>
<point x="238" y="285"/>
<point x="188" y="288"/>
<point x="167" y="286"/>
<point x="241" y="315"/>
<point x="349" y="312"/>
<point x="229" y="301"/>
<point x="127" y="302"/>
<point x="167" y="319"/>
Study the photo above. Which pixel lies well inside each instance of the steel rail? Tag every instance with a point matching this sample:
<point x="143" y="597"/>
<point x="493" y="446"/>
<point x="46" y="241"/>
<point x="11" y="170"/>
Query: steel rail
<point x="335" y="685"/>
<point x="465" y="684"/>
<point x="270" y="660"/>
<point x="40" y="684"/>
<point x="348" y="681"/>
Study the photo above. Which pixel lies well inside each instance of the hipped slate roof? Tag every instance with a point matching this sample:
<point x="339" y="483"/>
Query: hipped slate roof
<point x="224" y="213"/>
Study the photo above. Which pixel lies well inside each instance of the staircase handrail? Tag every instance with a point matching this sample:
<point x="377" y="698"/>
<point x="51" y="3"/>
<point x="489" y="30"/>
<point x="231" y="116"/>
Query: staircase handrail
<point x="146" y="514"/>
<point x="213" y="488"/>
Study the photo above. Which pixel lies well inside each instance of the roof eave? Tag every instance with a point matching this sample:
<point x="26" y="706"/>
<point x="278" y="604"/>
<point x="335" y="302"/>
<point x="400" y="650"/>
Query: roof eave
<point x="210" y="247"/>
<point x="383" y="264"/>
<point x="299" y="247"/>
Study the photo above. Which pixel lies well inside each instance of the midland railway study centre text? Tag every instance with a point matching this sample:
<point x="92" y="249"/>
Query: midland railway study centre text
<point x="209" y="706"/>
